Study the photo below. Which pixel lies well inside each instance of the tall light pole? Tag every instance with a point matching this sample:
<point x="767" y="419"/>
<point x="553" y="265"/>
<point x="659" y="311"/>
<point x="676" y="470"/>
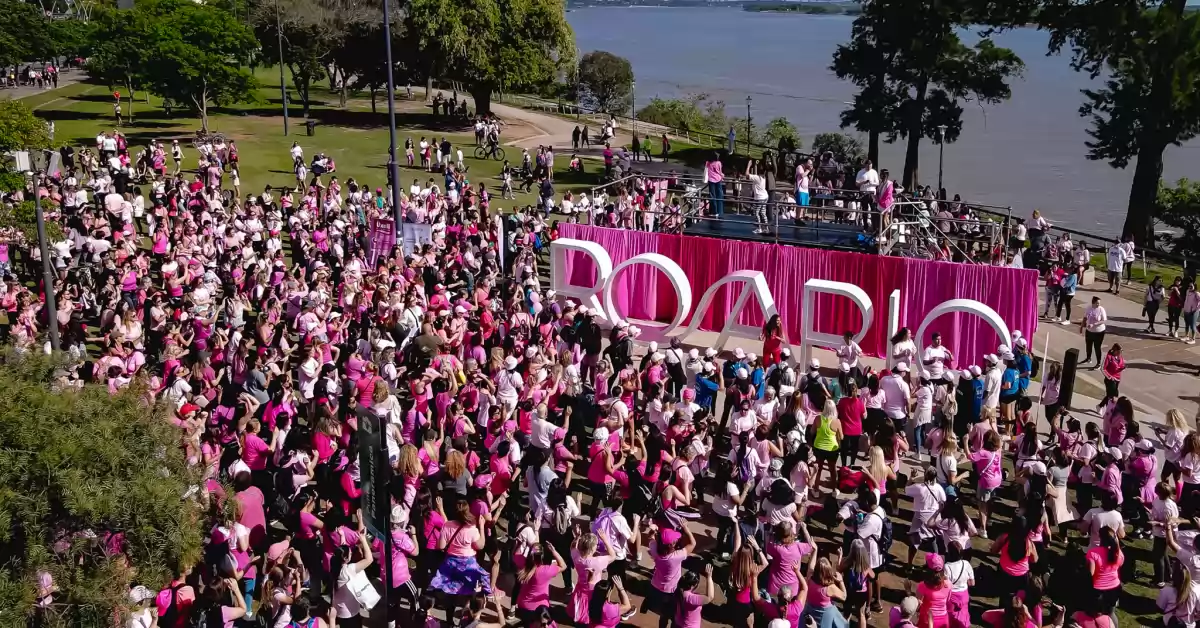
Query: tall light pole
<point x="633" y="106"/>
<point x="941" y="153"/>
<point x="393" y="170"/>
<point x="47" y="269"/>
<point x="747" y="126"/>
<point x="282" y="83"/>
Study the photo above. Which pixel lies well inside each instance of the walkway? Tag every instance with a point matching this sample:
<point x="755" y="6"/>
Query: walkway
<point x="67" y="77"/>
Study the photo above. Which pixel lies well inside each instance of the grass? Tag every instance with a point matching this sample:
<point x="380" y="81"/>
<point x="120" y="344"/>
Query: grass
<point x="354" y="137"/>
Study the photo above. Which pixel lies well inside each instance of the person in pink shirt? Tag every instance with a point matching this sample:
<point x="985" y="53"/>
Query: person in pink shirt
<point x="934" y="592"/>
<point x="1104" y="565"/>
<point x="1112" y="367"/>
<point x="988" y="465"/>
<point x="689" y="603"/>
<point x="608" y="604"/>
<point x="668" y="551"/>
<point x="787" y="552"/>
<point x="534" y="581"/>
<point x="591" y="567"/>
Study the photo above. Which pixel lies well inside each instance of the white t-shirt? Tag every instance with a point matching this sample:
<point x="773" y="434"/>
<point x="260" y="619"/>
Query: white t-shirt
<point x="958" y="574"/>
<point x="939" y="355"/>
<point x="760" y="187"/>
<point x="1116" y="258"/>
<point x="1097" y="518"/>
<point x="723" y="504"/>
<point x="895" y="396"/>
<point x="1095" y="318"/>
<point x="867" y="180"/>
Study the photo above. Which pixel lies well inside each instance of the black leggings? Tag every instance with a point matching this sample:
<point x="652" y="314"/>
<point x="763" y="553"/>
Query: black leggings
<point x="1092" y="340"/>
<point x="1173" y="313"/>
<point x="1152" y="312"/>
<point x="1111" y="391"/>
<point x="849" y="449"/>
<point x="1064" y="302"/>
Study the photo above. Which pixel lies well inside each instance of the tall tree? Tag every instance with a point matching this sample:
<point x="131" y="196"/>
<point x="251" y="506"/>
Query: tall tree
<point x="491" y="45"/>
<point x="864" y="62"/>
<point x="605" y="81"/>
<point x="1150" y="54"/>
<point x="926" y="71"/>
<point x="190" y="52"/>
<point x="92" y="491"/>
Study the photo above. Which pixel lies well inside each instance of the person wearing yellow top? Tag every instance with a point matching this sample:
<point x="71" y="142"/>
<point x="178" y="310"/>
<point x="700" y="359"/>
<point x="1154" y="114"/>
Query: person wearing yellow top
<point x="825" y="443"/>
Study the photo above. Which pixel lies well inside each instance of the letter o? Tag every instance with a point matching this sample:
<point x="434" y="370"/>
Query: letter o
<point x="675" y="274"/>
<point x="964" y="306"/>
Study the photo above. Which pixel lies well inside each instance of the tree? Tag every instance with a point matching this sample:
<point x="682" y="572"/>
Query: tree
<point x="491" y="45"/>
<point x="113" y="60"/>
<point x="605" y="81"/>
<point x="1150" y="99"/>
<point x="864" y="61"/>
<point x="19" y="128"/>
<point x="1179" y="208"/>
<point x="92" y="492"/>
<point x="926" y="69"/>
<point x="781" y="129"/>
<point x="190" y="52"/>
<point x="312" y="32"/>
<point x="847" y="149"/>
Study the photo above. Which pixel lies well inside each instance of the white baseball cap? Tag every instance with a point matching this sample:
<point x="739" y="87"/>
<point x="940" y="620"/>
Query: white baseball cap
<point x="739" y="353"/>
<point x="902" y="367"/>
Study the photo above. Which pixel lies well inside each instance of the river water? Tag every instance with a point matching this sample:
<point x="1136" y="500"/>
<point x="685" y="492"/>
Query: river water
<point x="1026" y="153"/>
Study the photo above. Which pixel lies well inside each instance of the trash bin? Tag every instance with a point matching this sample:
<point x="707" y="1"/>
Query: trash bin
<point x="311" y="126"/>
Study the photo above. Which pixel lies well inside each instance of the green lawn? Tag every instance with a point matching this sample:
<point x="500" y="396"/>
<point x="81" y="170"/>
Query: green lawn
<point x="354" y="137"/>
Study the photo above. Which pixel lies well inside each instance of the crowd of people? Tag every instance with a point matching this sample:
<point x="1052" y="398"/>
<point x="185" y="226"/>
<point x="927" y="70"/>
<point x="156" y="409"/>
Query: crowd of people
<point x="546" y="468"/>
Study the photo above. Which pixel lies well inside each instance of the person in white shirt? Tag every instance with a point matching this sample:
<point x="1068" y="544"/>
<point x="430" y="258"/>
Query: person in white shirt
<point x="849" y="353"/>
<point x="867" y="179"/>
<point x="758" y="184"/>
<point x="1128" y="257"/>
<point x="991" y="382"/>
<point x="1093" y="326"/>
<point x="936" y="357"/>
<point x="896" y="396"/>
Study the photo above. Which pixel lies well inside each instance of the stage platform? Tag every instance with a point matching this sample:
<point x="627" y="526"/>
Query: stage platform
<point x="813" y="234"/>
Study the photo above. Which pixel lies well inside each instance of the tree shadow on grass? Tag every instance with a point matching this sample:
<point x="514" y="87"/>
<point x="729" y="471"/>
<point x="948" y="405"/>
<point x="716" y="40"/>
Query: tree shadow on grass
<point x="358" y="119"/>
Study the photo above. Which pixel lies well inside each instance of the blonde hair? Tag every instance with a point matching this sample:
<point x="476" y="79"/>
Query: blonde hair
<point x="587" y="544"/>
<point x="1175" y="419"/>
<point x="830" y="410"/>
<point x="408" y="464"/>
<point x="381" y="392"/>
<point x="987" y="414"/>
<point x="824" y="574"/>
<point x="456" y="464"/>
<point x="876" y="465"/>
<point x="949" y="445"/>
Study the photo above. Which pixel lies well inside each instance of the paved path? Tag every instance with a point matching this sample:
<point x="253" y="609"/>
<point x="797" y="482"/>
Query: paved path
<point x="67" y="77"/>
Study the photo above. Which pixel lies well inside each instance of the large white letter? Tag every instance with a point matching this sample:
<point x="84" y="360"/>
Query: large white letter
<point x="558" y="271"/>
<point x="893" y="324"/>
<point x="812" y="287"/>
<point x="963" y="306"/>
<point x="756" y="285"/>
<point x="679" y="281"/>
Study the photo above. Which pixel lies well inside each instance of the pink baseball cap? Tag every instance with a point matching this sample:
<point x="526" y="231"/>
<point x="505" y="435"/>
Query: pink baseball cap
<point x="669" y="536"/>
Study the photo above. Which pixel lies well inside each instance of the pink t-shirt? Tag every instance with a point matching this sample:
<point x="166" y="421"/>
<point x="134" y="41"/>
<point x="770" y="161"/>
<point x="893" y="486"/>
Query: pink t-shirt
<point x="255" y="453"/>
<point x="1107" y="576"/>
<point x="784" y="558"/>
<point x="687" y="615"/>
<point x="459" y="543"/>
<point x="933" y="601"/>
<point x="535" y="592"/>
<point x="610" y="617"/>
<point x="987" y="463"/>
<point x="667" y="569"/>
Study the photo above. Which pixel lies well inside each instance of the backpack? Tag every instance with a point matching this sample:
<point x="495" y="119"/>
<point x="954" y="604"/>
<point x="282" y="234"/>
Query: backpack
<point x="884" y="539"/>
<point x="562" y="520"/>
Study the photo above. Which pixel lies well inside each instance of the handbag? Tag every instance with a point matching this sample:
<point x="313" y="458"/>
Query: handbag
<point x="360" y="587"/>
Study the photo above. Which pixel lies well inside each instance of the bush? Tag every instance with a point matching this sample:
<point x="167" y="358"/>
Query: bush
<point x="91" y="491"/>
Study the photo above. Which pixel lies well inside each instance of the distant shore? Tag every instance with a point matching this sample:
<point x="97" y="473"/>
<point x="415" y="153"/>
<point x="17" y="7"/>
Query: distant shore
<point x="753" y="6"/>
<point x="810" y="8"/>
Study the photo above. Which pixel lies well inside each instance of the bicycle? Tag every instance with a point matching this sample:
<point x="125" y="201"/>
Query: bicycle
<point x="494" y="151"/>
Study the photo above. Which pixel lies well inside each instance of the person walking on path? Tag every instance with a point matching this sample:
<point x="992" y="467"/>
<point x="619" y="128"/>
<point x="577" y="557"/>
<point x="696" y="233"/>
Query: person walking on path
<point x="1114" y="364"/>
<point x="1155" y="293"/>
<point x="1174" y="307"/>
<point x="1191" y="305"/>
<point x="1066" y="293"/>
<point x="1093" y="325"/>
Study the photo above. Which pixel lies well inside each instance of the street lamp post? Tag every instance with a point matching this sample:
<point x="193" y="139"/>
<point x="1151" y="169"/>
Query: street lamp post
<point x="282" y="84"/>
<point x="633" y="107"/>
<point x="941" y="153"/>
<point x="47" y="269"/>
<point x="747" y="126"/>
<point x="393" y="169"/>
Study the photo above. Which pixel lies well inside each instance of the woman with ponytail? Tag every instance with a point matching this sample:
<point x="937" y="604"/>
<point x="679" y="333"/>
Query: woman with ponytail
<point x="1104" y="564"/>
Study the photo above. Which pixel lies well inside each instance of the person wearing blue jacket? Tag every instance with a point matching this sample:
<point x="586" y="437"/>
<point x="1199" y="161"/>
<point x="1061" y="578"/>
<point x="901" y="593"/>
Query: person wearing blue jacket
<point x="707" y="387"/>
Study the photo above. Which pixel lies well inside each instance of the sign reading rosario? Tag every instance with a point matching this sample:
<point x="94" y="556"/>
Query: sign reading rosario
<point x="575" y="261"/>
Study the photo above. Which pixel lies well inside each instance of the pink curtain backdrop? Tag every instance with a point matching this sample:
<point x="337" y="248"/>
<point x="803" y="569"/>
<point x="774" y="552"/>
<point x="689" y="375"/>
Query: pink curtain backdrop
<point x="642" y="292"/>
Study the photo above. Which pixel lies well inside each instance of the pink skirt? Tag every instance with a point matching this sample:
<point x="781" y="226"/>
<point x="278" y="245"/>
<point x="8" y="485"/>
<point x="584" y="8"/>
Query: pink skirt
<point x="960" y="609"/>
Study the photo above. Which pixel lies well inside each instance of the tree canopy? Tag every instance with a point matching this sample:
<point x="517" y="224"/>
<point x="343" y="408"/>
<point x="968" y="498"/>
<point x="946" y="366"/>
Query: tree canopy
<point x="913" y="70"/>
<point x="605" y="81"/>
<point x="188" y="52"/>
<point x="92" y="492"/>
<point x="490" y="45"/>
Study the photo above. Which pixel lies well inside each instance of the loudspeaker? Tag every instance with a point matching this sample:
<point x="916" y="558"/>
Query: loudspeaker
<point x="1067" y="388"/>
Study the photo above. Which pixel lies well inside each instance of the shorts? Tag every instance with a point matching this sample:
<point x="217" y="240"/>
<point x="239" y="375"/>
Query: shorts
<point x="826" y="456"/>
<point x="1113" y="276"/>
<point x="984" y="494"/>
<point x="802" y="198"/>
<point x="1008" y="399"/>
